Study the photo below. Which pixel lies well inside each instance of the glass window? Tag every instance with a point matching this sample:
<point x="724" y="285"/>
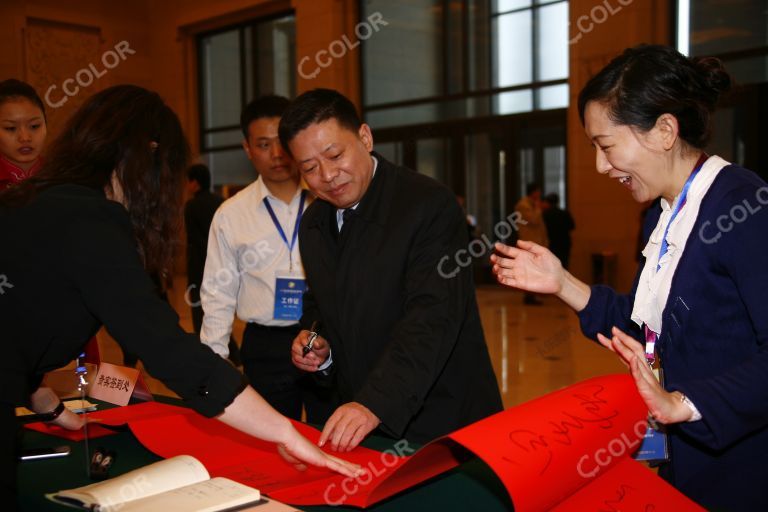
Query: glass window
<point x="229" y="166"/>
<point x="510" y="5"/>
<point x="436" y="60"/>
<point x="403" y="60"/>
<point x="514" y="102"/>
<point x="235" y="66"/>
<point x="434" y="158"/>
<point x="514" y="54"/>
<point x="716" y="30"/>
<point x="554" y="172"/>
<point x="484" y="186"/>
<point x="221" y="79"/>
<point x="738" y="36"/>
<point x="553" y="96"/>
<point x="552" y="42"/>
<point x="392" y="151"/>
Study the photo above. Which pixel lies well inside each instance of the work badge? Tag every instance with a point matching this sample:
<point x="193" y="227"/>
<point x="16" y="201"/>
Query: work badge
<point x="289" y="290"/>
<point x="653" y="448"/>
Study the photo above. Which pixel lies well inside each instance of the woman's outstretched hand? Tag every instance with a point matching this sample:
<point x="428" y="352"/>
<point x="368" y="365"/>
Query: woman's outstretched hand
<point x="528" y="266"/>
<point x="299" y="451"/>
<point x="665" y="407"/>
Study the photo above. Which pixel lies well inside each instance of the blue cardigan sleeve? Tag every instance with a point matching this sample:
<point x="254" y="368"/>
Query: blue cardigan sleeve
<point x="734" y="402"/>
<point x="607" y="308"/>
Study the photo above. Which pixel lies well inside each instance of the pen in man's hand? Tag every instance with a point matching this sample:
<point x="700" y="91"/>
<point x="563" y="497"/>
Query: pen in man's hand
<point x="312" y="336"/>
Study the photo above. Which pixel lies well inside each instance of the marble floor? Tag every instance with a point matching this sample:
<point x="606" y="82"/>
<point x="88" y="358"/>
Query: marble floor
<point x="535" y="349"/>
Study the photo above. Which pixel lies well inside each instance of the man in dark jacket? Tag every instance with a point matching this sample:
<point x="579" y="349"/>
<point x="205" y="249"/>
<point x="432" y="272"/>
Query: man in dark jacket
<point x="402" y="339"/>
<point x="559" y="224"/>
<point x="198" y="214"/>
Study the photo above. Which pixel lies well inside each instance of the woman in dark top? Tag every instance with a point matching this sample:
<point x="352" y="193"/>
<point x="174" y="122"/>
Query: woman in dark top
<point x="698" y="301"/>
<point x="80" y="239"/>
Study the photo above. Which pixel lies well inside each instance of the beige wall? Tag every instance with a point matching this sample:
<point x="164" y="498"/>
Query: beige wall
<point x="48" y="41"/>
<point x="606" y="216"/>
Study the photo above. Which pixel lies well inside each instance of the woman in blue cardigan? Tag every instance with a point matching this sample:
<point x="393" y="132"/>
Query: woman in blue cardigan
<point x="698" y="303"/>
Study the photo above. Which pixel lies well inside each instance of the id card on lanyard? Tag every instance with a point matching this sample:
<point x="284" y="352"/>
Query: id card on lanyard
<point x="289" y="285"/>
<point x="654" y="447"/>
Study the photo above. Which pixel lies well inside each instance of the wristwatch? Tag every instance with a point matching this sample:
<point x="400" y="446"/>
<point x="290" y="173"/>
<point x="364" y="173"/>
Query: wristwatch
<point x="51" y="416"/>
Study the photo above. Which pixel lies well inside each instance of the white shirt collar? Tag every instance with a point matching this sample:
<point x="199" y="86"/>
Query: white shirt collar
<point x="654" y="285"/>
<point x="261" y="191"/>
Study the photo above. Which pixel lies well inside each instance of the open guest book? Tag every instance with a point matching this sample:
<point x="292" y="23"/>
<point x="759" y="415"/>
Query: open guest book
<point x="569" y="450"/>
<point x="180" y="483"/>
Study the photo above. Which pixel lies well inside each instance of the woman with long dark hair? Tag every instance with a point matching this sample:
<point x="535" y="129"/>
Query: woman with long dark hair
<point x="80" y="240"/>
<point x="698" y="302"/>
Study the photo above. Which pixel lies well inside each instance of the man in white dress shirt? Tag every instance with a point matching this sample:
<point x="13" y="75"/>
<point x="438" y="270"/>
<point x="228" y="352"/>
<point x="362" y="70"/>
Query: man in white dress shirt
<point x="254" y="269"/>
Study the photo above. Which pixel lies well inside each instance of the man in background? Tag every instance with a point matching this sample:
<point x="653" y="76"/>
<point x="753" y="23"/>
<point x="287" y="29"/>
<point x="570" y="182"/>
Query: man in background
<point x="533" y="228"/>
<point x="254" y="270"/>
<point x="198" y="215"/>
<point x="559" y="224"/>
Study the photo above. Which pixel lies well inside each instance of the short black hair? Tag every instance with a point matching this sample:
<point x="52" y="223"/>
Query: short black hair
<point x="647" y="81"/>
<point x="201" y="174"/>
<point x="269" y="105"/>
<point x="12" y="89"/>
<point x="552" y="199"/>
<point x="531" y="188"/>
<point x="314" y="107"/>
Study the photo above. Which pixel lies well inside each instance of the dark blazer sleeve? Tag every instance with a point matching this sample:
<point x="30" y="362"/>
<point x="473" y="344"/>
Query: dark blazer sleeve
<point x="433" y="311"/>
<point x="103" y="263"/>
<point x="310" y="313"/>
<point x="734" y="403"/>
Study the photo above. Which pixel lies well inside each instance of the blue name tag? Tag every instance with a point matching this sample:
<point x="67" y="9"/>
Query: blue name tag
<point x="288" y="295"/>
<point x="654" y="446"/>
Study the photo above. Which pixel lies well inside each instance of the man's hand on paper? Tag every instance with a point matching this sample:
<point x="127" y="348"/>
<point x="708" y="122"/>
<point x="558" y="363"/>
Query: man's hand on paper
<point x="348" y="426"/>
<point x="316" y="357"/>
<point x="665" y="407"/>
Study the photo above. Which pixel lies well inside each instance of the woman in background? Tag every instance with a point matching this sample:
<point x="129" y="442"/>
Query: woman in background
<point x="81" y="238"/>
<point x="698" y="302"/>
<point x="22" y="131"/>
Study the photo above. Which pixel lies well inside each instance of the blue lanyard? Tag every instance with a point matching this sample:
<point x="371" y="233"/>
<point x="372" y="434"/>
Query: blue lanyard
<point x="650" y="336"/>
<point x="683" y="197"/>
<point x="295" y="226"/>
